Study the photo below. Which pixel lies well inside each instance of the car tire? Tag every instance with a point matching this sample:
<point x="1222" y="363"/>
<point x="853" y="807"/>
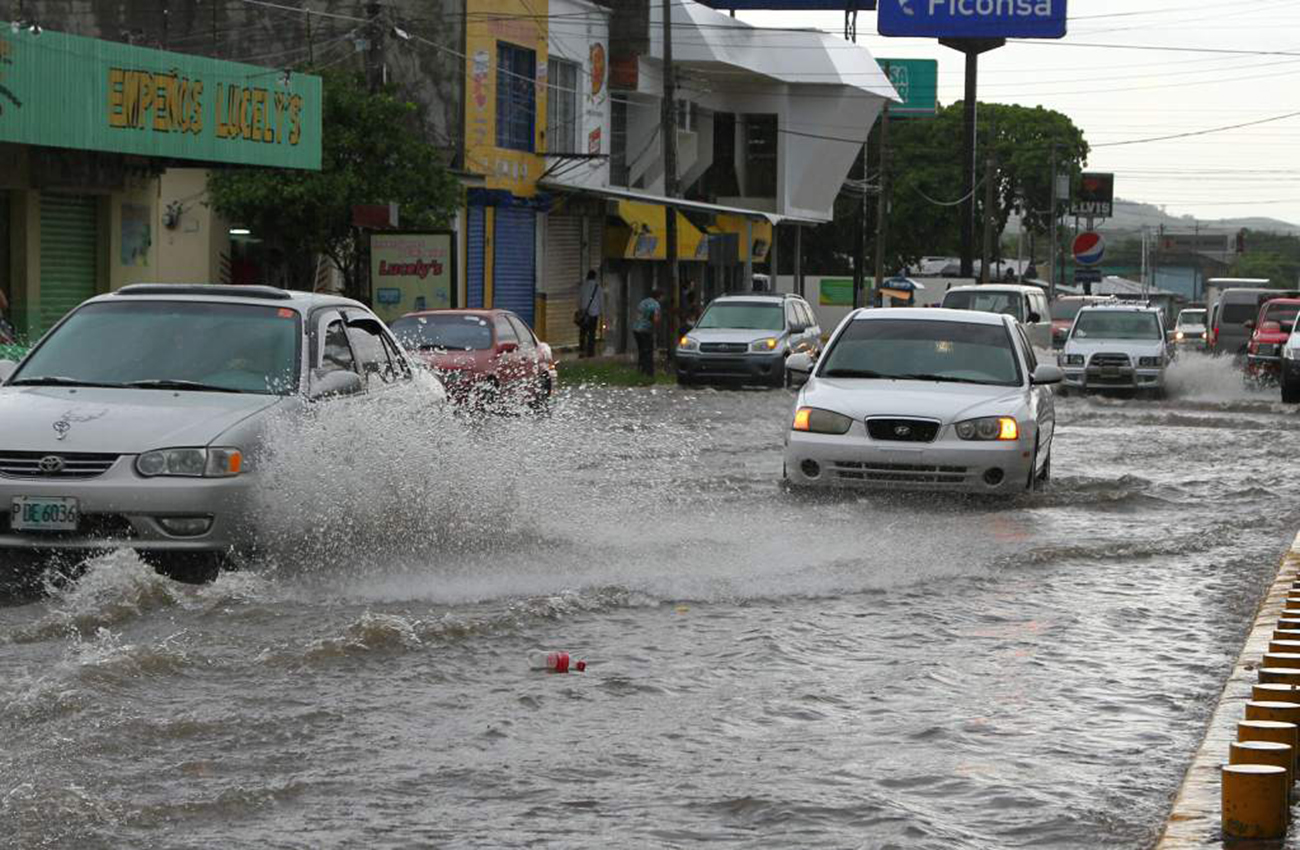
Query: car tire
<point x="192" y="567"/>
<point x="684" y="381"/>
<point x="1033" y="483"/>
<point x="779" y="379"/>
<point x="1290" y="392"/>
<point x="540" y="398"/>
<point x="1062" y="391"/>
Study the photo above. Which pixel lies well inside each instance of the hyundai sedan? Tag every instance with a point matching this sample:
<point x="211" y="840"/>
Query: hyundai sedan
<point x="136" y="422"/>
<point x="923" y="398"/>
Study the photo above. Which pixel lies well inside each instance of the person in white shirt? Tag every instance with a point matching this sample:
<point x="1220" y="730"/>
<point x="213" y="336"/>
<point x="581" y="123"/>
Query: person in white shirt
<point x="588" y="315"/>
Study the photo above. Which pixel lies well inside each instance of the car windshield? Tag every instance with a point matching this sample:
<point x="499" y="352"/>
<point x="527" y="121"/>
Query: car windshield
<point x="1238" y="312"/>
<point x="1116" y="324"/>
<point x="1281" y="313"/>
<point x="919" y="349"/>
<point x="743" y="315"/>
<point x="1008" y="303"/>
<point x="1065" y="310"/>
<point x="451" y="331"/>
<point x="194" y="345"/>
<point x="1189" y="318"/>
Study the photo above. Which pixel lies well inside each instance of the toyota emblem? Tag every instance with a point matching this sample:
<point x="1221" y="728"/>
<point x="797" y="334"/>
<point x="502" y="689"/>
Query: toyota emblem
<point x="51" y="464"/>
<point x="902" y="430"/>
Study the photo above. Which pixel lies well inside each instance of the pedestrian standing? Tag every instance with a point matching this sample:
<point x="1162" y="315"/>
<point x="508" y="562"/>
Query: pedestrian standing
<point x="588" y="314"/>
<point x="647" y="319"/>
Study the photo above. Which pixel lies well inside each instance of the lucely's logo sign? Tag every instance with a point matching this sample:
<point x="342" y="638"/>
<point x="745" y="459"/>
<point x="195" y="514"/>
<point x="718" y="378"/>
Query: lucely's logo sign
<point x="418" y="268"/>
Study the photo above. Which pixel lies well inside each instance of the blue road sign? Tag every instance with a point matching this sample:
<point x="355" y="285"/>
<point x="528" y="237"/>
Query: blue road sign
<point x="972" y="18"/>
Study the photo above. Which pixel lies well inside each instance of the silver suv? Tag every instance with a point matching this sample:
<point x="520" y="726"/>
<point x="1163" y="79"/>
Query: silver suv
<point x="1116" y="346"/>
<point x="136" y="421"/>
<point x="746" y="338"/>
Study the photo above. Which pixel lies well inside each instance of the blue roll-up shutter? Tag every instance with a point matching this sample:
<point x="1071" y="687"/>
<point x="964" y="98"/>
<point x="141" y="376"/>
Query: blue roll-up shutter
<point x="513" y="275"/>
<point x="474" y="258"/>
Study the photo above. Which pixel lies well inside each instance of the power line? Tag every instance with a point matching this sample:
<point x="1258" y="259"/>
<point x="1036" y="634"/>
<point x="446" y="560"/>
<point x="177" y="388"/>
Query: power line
<point x="1192" y="133"/>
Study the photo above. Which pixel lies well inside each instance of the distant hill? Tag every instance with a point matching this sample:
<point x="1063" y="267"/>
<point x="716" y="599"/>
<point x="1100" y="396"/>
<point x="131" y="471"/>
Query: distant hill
<point x="1132" y="216"/>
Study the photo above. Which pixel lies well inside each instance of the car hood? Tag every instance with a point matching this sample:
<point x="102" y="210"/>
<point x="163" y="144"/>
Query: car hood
<point x="732" y="334"/>
<point x="1270" y="339"/>
<point x="946" y="402"/>
<point x="1191" y="329"/>
<point x="1132" y="347"/>
<point x="119" y="421"/>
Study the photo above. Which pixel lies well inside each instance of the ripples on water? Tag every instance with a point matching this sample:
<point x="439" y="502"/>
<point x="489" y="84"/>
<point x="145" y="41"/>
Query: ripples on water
<point x="859" y="670"/>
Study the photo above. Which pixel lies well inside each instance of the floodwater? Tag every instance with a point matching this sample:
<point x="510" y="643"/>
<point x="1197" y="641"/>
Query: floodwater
<point x="764" y="671"/>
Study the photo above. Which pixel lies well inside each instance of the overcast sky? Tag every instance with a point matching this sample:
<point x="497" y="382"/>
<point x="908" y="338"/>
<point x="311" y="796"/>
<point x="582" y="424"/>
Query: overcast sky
<point x="1167" y="87"/>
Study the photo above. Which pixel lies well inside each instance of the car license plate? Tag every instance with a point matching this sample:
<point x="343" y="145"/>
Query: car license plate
<point x="40" y="513"/>
<point x="1110" y="371"/>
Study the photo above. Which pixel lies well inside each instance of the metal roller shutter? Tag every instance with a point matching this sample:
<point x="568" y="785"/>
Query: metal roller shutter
<point x="564" y="272"/>
<point x="513" y="255"/>
<point x="69" y="262"/>
<point x="475" y="233"/>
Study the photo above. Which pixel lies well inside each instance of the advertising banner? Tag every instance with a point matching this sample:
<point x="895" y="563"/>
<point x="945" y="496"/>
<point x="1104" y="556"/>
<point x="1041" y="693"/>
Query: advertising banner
<point x="1095" y="197"/>
<point x="917" y="83"/>
<point x="980" y="19"/>
<point x="412" y="271"/>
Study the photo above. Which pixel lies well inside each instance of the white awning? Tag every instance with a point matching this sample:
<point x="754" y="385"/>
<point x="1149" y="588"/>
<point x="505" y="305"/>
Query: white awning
<point x="677" y="203"/>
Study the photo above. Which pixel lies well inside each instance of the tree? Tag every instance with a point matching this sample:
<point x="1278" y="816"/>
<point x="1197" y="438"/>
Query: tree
<point x="1275" y="256"/>
<point x="372" y="151"/>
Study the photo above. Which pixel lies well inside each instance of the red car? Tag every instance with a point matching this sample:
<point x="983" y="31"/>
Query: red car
<point x="1269" y="332"/>
<point x="481" y="356"/>
<point x="1065" y="308"/>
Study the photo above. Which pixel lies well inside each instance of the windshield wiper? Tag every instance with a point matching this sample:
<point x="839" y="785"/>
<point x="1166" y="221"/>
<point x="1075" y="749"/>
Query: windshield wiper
<point x="59" y="381"/>
<point x="943" y="379"/>
<point x="161" y="384"/>
<point x="852" y="373"/>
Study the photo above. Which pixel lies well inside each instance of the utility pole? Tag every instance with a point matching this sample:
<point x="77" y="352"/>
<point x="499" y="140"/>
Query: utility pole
<point x="986" y="256"/>
<point x="860" y="236"/>
<point x="311" y="48"/>
<point x="375" y="52"/>
<point x="882" y="199"/>
<point x="1052" y="240"/>
<point x="668" y="134"/>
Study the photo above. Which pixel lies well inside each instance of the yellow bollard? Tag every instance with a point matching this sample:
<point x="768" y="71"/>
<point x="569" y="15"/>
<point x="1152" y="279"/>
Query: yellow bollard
<point x="1255" y="801"/>
<point x="1270" y="730"/>
<point x="1287" y="712"/>
<point x="1288" y="623"/>
<point x="1275" y="691"/>
<point x="1286" y="634"/>
<point x="1266" y="752"/>
<point x="1279" y="645"/>
<point x="1283" y="675"/>
<point x="1281" y="659"/>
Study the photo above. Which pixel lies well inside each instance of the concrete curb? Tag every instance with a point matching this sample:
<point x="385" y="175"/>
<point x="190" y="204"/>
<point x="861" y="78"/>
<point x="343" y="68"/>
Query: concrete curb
<point x="1195" y="819"/>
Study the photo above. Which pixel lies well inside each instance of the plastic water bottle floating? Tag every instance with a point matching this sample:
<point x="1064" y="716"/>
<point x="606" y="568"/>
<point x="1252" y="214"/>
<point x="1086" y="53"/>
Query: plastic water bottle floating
<point x="556" y="662"/>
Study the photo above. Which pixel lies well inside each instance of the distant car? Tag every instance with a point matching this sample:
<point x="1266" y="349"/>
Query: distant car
<point x="137" y="421"/>
<point x="923" y="398"/>
<point x="1065" y="308"/>
<point x="483" y="357"/>
<point x="1269" y="332"/>
<point x="1228" y="333"/>
<point x="1189" y="330"/>
<point x="746" y="339"/>
<point x="1289" y="372"/>
<point x="1116" y="346"/>
<point x="1026" y="304"/>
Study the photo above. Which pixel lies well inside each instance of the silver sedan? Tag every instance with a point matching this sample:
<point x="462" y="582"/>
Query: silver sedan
<point x="923" y="398"/>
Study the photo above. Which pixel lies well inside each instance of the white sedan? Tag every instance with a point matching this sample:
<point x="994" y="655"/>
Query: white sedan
<point x="923" y="398"/>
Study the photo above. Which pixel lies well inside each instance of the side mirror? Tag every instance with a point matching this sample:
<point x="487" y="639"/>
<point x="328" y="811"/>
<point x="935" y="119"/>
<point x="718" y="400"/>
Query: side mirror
<point x="336" y="384"/>
<point x="798" y="329"/>
<point x="798" y="368"/>
<point x="1034" y="318"/>
<point x="1249" y="324"/>
<point x="1047" y="374"/>
<point x="7" y="368"/>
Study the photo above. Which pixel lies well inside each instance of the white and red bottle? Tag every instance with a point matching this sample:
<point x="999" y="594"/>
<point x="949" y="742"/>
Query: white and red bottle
<point x="555" y="662"/>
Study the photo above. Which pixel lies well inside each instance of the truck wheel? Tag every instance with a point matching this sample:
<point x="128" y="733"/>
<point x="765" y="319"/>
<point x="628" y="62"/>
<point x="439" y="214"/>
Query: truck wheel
<point x="1290" y="391"/>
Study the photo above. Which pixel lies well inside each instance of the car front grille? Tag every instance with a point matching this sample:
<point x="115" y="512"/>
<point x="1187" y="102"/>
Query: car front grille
<point x="1101" y="361"/>
<point x="1268" y="350"/>
<point x="903" y="430"/>
<point x="44" y="465"/>
<point x="723" y="347"/>
<point x="97" y="526"/>
<point x="900" y="472"/>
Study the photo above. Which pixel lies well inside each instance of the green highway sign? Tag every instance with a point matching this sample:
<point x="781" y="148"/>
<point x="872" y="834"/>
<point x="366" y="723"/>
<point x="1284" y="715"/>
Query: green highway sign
<point x="917" y="83"/>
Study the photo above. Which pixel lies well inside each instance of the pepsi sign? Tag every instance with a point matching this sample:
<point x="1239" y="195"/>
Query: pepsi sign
<point x="972" y="18"/>
<point x="1089" y="248"/>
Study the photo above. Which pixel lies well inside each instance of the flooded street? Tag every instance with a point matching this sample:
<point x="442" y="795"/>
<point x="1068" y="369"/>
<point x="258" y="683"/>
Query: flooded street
<point x="765" y="670"/>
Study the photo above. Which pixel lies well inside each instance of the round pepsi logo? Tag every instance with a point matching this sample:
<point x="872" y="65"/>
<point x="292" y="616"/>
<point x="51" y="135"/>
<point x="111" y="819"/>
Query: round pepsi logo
<point x="1089" y="248"/>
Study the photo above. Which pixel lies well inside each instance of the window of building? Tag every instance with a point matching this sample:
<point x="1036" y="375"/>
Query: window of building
<point x="760" y="156"/>
<point x="562" y="106"/>
<point x="516" y="98"/>
<point x="618" y="143"/>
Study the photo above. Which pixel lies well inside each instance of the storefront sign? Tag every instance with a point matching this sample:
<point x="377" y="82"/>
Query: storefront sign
<point x="412" y="271"/>
<point x="67" y="91"/>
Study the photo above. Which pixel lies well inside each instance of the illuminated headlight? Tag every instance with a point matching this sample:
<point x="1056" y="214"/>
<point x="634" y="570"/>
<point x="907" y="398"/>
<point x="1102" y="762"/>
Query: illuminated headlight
<point x="688" y="344"/>
<point x="1179" y="335"/>
<point x="768" y="344"/>
<point x="1150" y="362"/>
<point x="818" y="421"/>
<point x="1291" y="352"/>
<point x="191" y="463"/>
<point x="1071" y="359"/>
<point x="989" y="428"/>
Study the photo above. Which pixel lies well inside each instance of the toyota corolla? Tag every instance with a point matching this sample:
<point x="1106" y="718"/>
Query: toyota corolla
<point x="923" y="398"/>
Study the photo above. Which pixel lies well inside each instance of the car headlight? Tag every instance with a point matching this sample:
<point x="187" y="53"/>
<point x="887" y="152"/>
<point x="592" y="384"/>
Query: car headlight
<point x="1071" y="359"/>
<point x="818" y="421"/>
<point x="1291" y="352"/>
<point x="191" y="463"/>
<point x="1178" y="335"/>
<point x="688" y="344"/>
<point x="768" y="344"/>
<point x="989" y="428"/>
<point x="1150" y="362"/>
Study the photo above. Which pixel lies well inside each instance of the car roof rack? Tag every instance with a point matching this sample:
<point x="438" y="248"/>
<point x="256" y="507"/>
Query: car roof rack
<point x="269" y="293"/>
